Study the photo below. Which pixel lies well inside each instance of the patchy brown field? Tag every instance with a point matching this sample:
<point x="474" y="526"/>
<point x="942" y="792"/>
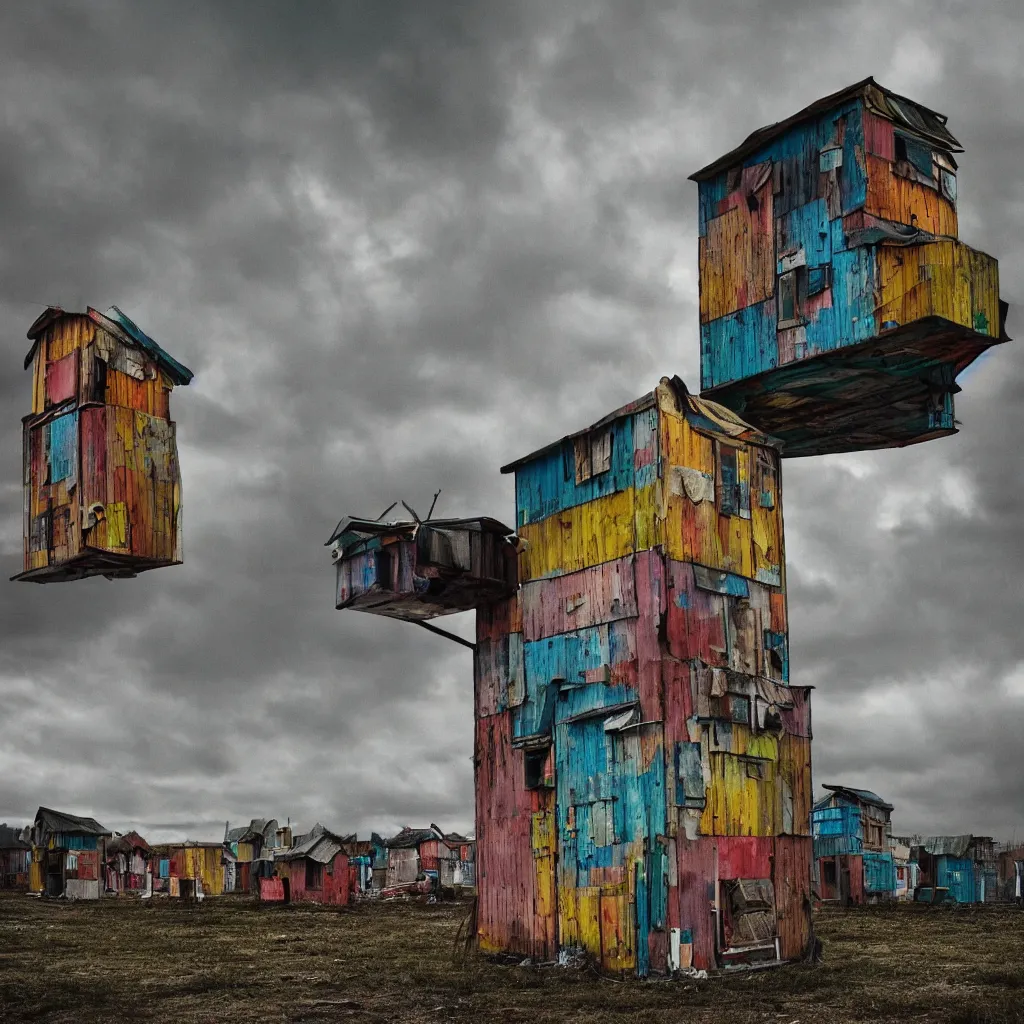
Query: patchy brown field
<point x="232" y="960"/>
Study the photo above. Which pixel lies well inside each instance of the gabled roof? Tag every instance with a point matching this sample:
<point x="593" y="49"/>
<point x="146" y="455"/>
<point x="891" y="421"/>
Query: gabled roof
<point x="864" y="796"/>
<point x="123" y="328"/>
<point x="58" y="821"/>
<point x="321" y="847"/>
<point x="410" y="838"/>
<point x="263" y="828"/>
<point x="709" y="414"/>
<point x="906" y="113"/>
<point x="126" y="843"/>
<point x="10" y="838"/>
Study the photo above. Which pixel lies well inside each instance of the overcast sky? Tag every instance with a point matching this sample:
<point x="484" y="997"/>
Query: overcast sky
<point x="401" y="243"/>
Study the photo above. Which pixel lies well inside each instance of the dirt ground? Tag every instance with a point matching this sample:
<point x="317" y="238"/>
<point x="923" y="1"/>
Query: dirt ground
<point x="229" y="959"/>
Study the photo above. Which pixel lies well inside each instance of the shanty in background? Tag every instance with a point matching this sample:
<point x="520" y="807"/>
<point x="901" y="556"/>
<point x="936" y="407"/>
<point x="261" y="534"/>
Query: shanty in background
<point x="101" y="480"/>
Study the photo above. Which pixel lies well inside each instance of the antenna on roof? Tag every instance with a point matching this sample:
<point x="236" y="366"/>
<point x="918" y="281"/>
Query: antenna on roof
<point x="412" y="512"/>
<point x="432" y="504"/>
<point x="386" y="511"/>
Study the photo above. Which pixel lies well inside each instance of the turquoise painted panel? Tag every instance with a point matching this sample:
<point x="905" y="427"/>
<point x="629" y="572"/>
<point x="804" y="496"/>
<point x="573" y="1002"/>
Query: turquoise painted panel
<point x="807" y="228"/>
<point x="741" y="344"/>
<point x="64" y="448"/>
<point x="548" y="484"/>
<point x="957" y="875"/>
<point x="879" y="873"/>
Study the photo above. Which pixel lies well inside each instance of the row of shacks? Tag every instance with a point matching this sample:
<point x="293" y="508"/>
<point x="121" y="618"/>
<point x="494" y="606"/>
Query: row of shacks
<point x="857" y="859"/>
<point x="66" y="855"/>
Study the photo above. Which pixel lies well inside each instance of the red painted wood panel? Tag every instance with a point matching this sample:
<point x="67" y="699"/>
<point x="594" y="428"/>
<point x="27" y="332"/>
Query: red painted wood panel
<point x="62" y="379"/>
<point x="879" y="136"/>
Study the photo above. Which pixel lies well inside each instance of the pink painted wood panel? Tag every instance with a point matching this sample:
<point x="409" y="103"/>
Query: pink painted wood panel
<point x="590" y="597"/>
<point x="62" y="379"/>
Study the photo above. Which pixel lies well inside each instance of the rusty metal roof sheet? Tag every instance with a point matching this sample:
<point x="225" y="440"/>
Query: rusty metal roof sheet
<point x="947" y="846"/>
<point x="862" y="795"/>
<point x="369" y="528"/>
<point x="907" y="113"/>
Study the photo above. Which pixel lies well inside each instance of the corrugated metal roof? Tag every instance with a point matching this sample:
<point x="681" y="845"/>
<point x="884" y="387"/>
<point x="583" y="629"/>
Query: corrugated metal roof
<point x="59" y="821"/>
<point x="863" y="795"/>
<point x="367" y="528"/>
<point x="409" y="838"/>
<point x="947" y="846"/>
<point x="322" y="848"/>
<point x="903" y="111"/>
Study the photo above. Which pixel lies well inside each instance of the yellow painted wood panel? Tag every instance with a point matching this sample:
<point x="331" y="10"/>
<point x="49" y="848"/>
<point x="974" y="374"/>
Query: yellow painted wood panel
<point x="737" y="258"/>
<point x="907" y="202"/>
<point x="696" y="532"/>
<point x="738" y="805"/>
<point x="576" y="538"/>
<point x="946" y="279"/>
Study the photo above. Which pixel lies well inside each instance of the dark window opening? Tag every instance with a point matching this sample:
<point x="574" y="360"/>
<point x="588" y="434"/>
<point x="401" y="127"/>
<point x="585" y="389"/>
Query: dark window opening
<point x="828" y="872"/>
<point x="384" y="570"/>
<point x="99" y="381"/>
<point x="787" y="297"/>
<point x="901" y="148"/>
<point x="729" y="497"/>
<point x="314" y="875"/>
<point x="535" y="763"/>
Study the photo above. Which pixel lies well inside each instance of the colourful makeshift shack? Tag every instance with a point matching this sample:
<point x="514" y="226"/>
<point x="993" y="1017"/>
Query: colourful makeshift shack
<point x="252" y="847"/>
<point x="68" y="853"/>
<point x="15" y="857"/>
<point x="191" y="869"/>
<point x="101" y="480"/>
<point x="959" y="869"/>
<point x="853" y="854"/>
<point x="314" y="870"/>
<point x="126" y="864"/>
<point x="837" y="305"/>
<point x="642" y="763"/>
<point x="413" y="570"/>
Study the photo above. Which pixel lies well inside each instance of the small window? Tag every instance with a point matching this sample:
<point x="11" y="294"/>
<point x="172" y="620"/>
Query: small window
<point x="756" y="770"/>
<point x="901" y="147"/>
<point x="535" y="763"/>
<point x="729" y="488"/>
<point x="818" y="279"/>
<point x="787" y="297"/>
<point x="593" y="454"/>
<point x="314" y="875"/>
<point x="739" y="709"/>
<point x="828" y="872"/>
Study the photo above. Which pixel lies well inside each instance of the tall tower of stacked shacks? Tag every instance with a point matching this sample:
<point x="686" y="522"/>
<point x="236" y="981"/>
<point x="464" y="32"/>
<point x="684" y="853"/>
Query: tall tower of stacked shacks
<point x="643" y="765"/>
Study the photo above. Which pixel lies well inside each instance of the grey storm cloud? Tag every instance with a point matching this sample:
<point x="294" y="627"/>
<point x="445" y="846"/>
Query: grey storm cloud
<point x="401" y="244"/>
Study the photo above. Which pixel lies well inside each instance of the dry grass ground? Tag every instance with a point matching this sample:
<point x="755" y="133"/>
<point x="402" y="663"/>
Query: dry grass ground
<point x="232" y="960"/>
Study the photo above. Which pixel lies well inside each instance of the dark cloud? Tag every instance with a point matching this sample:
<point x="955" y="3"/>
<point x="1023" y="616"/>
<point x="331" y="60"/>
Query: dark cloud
<point x="402" y="244"/>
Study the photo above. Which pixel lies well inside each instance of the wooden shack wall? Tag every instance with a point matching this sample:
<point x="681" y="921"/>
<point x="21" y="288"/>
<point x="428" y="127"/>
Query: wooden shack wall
<point x="636" y="591"/>
<point x="99" y="432"/>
